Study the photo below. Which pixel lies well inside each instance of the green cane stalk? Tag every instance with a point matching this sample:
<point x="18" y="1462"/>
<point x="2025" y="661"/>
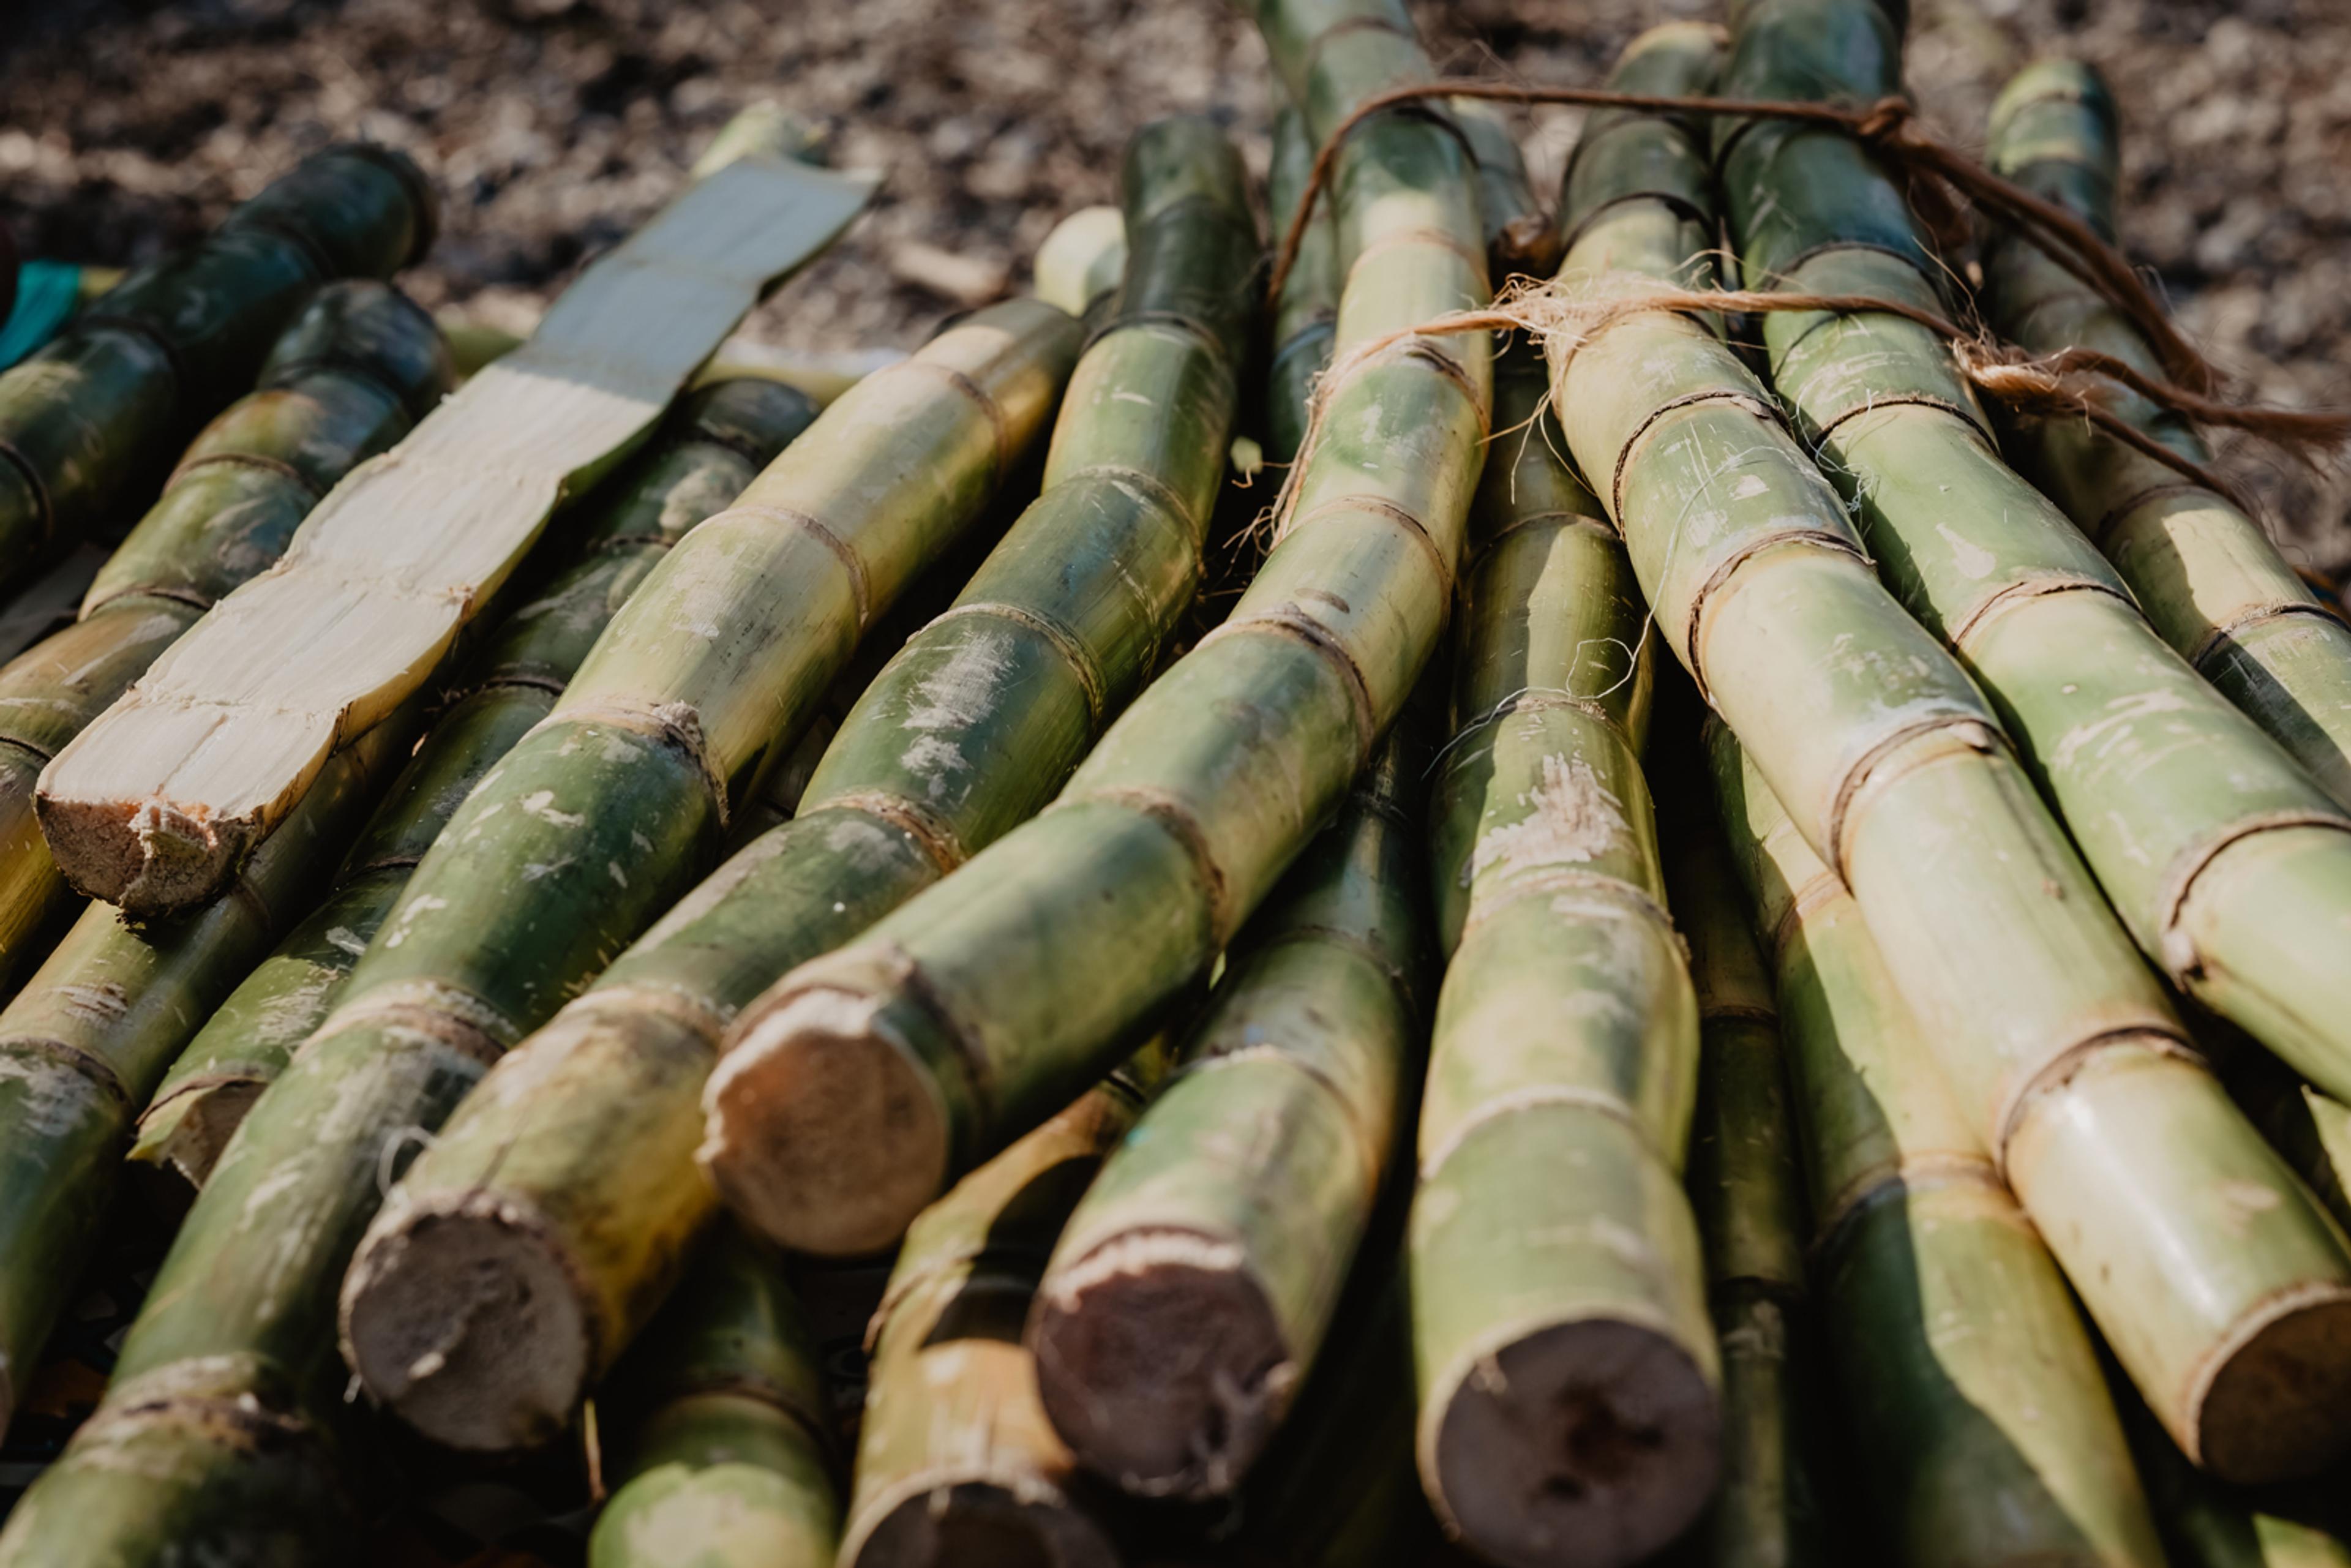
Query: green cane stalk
<point x="2208" y="1524"/>
<point x="1747" y="1188"/>
<point x="957" y="1462"/>
<point x="713" y="444"/>
<point x="564" y="1193"/>
<point x="83" y="1044"/>
<point x="866" y="1079"/>
<point x="723" y="1427"/>
<point x="2058" y="1042"/>
<point x="2208" y="576"/>
<point x="357" y="366"/>
<point x="2228" y="864"/>
<point x="83" y="421"/>
<point x="1979" y="1420"/>
<point x="1191" y="1293"/>
<point x="697" y="676"/>
<point x="1570" y="1386"/>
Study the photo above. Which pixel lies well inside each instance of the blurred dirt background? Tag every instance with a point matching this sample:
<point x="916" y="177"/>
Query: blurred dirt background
<point x="554" y="126"/>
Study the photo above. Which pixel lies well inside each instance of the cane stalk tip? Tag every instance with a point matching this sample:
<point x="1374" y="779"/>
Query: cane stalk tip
<point x="469" y="1326"/>
<point x="1586" y="1444"/>
<point x="822" y="1132"/>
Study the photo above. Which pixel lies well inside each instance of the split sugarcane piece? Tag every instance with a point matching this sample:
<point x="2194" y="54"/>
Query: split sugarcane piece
<point x="1748" y="1190"/>
<point x="532" y="1241"/>
<point x="2228" y="864"/>
<point x="1570" y="1388"/>
<point x="239" y="1326"/>
<point x="83" y="1044"/>
<point x="722" y="1428"/>
<point x="152" y="806"/>
<point x="87" y="417"/>
<point x="2060" y="1043"/>
<point x="1979" y="1418"/>
<point x="2206" y="574"/>
<point x="714" y="443"/>
<point x="357" y="368"/>
<point x="982" y="1006"/>
<point x="1307" y="314"/>
<point x="957" y="1462"/>
<point x="1191" y="1291"/>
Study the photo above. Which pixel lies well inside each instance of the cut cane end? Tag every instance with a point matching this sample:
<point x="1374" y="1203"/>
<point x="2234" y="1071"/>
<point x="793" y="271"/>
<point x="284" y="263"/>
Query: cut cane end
<point x="182" y="1139"/>
<point x="979" y="1524"/>
<point x="147" y="858"/>
<point x="2279" y="1407"/>
<point x="824" y="1133"/>
<point x="468" y="1327"/>
<point x="1584" y="1444"/>
<point x="1161" y="1363"/>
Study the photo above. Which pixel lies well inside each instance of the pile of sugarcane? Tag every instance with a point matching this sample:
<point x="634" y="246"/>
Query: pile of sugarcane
<point x="1315" y="1041"/>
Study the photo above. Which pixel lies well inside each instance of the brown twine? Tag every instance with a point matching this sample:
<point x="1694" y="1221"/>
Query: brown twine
<point x="1940" y="178"/>
<point x="2068" y="383"/>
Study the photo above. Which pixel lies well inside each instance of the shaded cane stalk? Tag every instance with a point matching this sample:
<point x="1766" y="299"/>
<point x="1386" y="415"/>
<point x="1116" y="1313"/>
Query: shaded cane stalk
<point x="1980" y="1419"/>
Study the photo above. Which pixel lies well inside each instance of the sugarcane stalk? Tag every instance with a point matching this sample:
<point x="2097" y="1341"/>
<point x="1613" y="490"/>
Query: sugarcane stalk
<point x="724" y="1441"/>
<point x="2206" y="574"/>
<point x="1570" y="1386"/>
<point x="869" y="1078"/>
<point x="345" y="381"/>
<point x="1191" y="1291"/>
<point x="1307" y="314"/>
<point x="1747" y="1189"/>
<point x="83" y="421"/>
<point x="713" y="444"/>
<point x="83" y="1044"/>
<point x="2228" y="864"/>
<point x="154" y="803"/>
<point x="564" y="1194"/>
<point x="1981" y="1423"/>
<point x="239" y="1326"/>
<point x="2035" y="1004"/>
<point x="956" y="1461"/>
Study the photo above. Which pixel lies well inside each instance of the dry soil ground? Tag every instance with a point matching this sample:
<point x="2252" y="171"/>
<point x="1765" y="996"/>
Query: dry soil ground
<point x="554" y="125"/>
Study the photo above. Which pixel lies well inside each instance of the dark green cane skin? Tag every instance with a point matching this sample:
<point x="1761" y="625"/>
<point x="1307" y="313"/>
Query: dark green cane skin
<point x="1012" y="985"/>
<point x="83" y="1044"/>
<point x="2216" y="847"/>
<point x="2209" y="580"/>
<point x="87" y="419"/>
<point x="721" y="1427"/>
<point x="713" y="443"/>
<point x="357" y="366"/>
<point x="1747" y="1188"/>
<point x="591" y="1126"/>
